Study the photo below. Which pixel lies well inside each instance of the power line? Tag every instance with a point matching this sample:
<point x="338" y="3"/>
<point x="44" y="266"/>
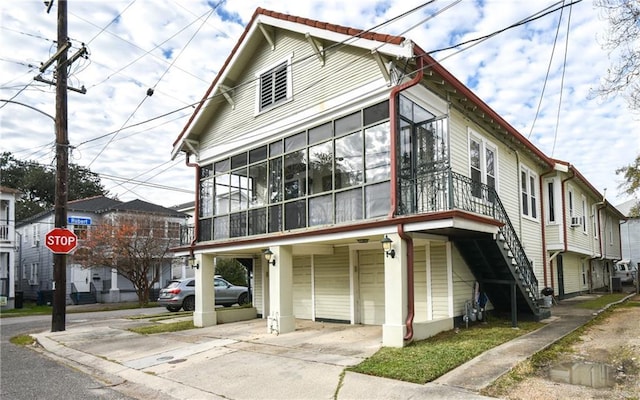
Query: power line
<point x="564" y="68"/>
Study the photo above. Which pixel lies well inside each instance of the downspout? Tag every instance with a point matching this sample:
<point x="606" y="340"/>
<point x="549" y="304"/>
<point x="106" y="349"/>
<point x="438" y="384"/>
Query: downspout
<point x="196" y="211"/>
<point x="393" y="110"/>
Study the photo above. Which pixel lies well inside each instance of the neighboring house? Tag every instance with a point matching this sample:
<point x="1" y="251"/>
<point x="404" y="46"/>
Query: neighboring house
<point x="180" y="267"/>
<point x="630" y="234"/>
<point x="85" y="285"/>
<point x="316" y="144"/>
<point x="8" y="244"/>
<point x="582" y="233"/>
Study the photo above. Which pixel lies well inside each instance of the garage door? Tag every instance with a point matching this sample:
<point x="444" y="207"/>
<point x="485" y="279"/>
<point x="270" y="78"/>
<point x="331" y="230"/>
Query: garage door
<point x="302" y="288"/>
<point x="332" y="290"/>
<point x="371" y="277"/>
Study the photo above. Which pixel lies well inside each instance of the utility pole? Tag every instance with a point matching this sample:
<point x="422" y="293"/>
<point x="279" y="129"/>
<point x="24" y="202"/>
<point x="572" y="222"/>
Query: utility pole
<point x="58" y="314"/>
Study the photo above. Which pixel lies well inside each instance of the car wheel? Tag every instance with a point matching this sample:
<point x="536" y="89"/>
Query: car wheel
<point x="243" y="299"/>
<point x="189" y="303"/>
<point x="173" y="308"/>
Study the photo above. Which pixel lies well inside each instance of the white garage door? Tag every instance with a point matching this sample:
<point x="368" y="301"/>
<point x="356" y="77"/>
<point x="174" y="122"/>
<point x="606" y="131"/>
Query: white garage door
<point x="371" y="277"/>
<point x="302" y="301"/>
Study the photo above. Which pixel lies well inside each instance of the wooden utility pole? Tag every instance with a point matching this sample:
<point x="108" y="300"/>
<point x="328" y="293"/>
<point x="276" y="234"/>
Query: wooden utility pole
<point x="58" y="314"/>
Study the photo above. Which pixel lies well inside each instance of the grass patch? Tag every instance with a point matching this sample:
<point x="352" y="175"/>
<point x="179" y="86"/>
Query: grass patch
<point x="426" y="360"/>
<point x="602" y="301"/>
<point x="163" y="328"/>
<point x="30" y="308"/>
<point x="22" y="340"/>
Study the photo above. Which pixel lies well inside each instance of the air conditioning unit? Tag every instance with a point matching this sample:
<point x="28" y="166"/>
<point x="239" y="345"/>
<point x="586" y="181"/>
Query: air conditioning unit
<point x="33" y="282"/>
<point x="576" y="221"/>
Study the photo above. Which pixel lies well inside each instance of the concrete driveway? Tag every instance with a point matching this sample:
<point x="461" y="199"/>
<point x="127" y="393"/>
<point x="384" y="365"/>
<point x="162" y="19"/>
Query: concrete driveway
<point x="232" y="361"/>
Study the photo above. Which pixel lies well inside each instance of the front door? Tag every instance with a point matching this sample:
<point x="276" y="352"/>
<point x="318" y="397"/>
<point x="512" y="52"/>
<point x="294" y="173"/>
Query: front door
<point x="81" y="278"/>
<point x="560" y="277"/>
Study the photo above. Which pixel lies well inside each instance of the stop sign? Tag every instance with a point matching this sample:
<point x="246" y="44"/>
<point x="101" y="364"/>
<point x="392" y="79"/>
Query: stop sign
<point x="61" y="241"/>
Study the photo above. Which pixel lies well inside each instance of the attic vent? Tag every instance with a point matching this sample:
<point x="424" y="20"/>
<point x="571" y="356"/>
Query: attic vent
<point x="274" y="86"/>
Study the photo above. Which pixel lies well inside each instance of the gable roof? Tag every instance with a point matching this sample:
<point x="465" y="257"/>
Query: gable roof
<point x="103" y="204"/>
<point x="399" y="46"/>
<point x="145" y="207"/>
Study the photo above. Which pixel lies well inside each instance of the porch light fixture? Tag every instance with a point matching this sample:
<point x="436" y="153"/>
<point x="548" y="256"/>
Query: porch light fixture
<point x="270" y="257"/>
<point x="191" y="261"/>
<point x="386" y="246"/>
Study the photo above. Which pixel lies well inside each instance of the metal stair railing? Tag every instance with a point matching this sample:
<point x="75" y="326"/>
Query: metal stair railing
<point x="480" y="198"/>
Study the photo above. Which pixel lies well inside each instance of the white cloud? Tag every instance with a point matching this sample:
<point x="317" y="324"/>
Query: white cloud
<point x="129" y="55"/>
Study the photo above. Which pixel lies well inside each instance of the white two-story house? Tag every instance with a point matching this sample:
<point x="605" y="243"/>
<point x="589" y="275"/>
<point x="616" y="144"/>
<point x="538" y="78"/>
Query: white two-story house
<point x="8" y="247"/>
<point x="316" y="145"/>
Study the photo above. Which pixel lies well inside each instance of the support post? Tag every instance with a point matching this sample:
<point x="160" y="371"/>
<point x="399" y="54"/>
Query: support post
<point x="58" y="312"/>
<point x="514" y="306"/>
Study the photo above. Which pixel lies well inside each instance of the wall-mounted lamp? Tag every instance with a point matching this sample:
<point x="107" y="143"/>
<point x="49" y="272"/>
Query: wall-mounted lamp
<point x="386" y="246"/>
<point x="270" y="257"/>
<point x="191" y="261"/>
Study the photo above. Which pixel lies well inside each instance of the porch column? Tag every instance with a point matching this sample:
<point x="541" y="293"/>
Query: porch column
<point x="281" y="319"/>
<point x="205" y="312"/>
<point x="395" y="294"/>
<point x="114" y="291"/>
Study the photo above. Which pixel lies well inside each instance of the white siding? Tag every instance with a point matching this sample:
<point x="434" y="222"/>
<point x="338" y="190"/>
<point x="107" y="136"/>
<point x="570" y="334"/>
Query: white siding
<point x="439" y="286"/>
<point x="463" y="283"/>
<point x="258" y="290"/>
<point x="345" y="70"/>
<point x="420" y="284"/>
<point x="332" y="295"/>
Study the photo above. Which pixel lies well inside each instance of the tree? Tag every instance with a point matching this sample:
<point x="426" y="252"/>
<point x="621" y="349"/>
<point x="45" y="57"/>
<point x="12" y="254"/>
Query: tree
<point x="37" y="184"/>
<point x="136" y="245"/>
<point x="231" y="270"/>
<point x="622" y="40"/>
<point x="631" y="183"/>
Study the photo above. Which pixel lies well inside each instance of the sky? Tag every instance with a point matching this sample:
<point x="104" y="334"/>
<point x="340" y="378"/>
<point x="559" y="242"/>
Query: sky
<point x="538" y="76"/>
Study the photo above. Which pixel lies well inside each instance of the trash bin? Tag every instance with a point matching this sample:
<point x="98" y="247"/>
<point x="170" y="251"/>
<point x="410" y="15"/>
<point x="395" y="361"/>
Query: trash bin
<point x="616" y="284"/>
<point x="18" y="301"/>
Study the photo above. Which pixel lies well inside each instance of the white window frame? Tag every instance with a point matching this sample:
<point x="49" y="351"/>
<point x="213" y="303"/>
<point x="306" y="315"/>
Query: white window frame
<point x="552" y="197"/>
<point x="584" y="214"/>
<point x="570" y="202"/>
<point x="33" y="274"/>
<point x="35" y="235"/>
<point x="485" y="145"/>
<point x="595" y="221"/>
<point x="529" y="189"/>
<point x="258" y="108"/>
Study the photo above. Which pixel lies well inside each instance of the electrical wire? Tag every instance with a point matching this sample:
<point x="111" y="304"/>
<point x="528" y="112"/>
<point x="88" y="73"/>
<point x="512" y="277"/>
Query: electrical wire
<point x="564" y="69"/>
<point x="546" y="77"/>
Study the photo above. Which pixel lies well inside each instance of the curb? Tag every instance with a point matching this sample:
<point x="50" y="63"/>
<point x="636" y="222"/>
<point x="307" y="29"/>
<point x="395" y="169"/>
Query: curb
<point x="114" y="373"/>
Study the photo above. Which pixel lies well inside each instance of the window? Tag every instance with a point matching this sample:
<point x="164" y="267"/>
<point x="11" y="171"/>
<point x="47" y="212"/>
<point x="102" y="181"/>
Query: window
<point x="584" y="214"/>
<point x="35" y="234"/>
<point x="316" y="177"/>
<point x="528" y="192"/>
<point x="570" y="202"/>
<point x="33" y="274"/>
<point x="551" y="204"/>
<point x="483" y="158"/>
<point x="584" y="274"/>
<point x="275" y="86"/>
<point x="81" y="231"/>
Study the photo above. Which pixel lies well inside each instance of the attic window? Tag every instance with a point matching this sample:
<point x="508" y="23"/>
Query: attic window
<point x="275" y="86"/>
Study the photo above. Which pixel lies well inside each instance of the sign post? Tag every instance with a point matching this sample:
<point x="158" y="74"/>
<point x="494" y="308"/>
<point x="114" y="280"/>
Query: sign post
<point x="61" y="241"/>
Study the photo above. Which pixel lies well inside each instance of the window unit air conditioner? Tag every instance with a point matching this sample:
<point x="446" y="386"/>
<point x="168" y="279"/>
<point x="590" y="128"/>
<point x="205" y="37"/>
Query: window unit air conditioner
<point x="576" y="221"/>
<point x="33" y="282"/>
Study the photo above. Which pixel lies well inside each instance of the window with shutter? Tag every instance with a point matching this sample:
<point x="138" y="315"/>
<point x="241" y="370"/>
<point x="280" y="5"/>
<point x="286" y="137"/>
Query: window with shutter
<point x="274" y="86"/>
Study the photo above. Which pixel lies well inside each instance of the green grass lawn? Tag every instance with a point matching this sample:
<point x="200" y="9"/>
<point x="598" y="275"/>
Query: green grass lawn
<point x="426" y="360"/>
<point x="31" y="308"/>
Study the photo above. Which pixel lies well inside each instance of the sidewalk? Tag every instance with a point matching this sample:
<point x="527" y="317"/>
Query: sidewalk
<point x="241" y="361"/>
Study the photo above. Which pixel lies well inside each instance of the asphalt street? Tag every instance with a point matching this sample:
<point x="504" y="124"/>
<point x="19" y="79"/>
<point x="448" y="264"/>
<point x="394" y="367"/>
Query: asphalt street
<point x="26" y="374"/>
